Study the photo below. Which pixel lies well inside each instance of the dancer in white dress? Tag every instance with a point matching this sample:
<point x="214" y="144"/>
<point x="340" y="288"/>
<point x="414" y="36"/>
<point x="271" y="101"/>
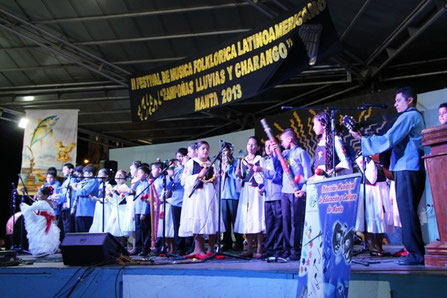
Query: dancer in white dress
<point x="378" y="211"/>
<point x="40" y="224"/>
<point x="200" y="206"/>
<point x="250" y="211"/>
<point x="118" y="201"/>
<point x="102" y="207"/>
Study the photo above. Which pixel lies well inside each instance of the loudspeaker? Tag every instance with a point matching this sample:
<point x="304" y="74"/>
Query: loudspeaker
<point x="83" y="249"/>
<point x="110" y="165"/>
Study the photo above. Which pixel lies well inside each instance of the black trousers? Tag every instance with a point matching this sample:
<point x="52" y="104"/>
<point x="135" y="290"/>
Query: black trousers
<point x="66" y="222"/>
<point x="83" y="223"/>
<point x="409" y="188"/>
<point x="273" y="227"/>
<point x="293" y="210"/>
<point x="229" y="210"/>
<point x="182" y="244"/>
<point x="143" y="233"/>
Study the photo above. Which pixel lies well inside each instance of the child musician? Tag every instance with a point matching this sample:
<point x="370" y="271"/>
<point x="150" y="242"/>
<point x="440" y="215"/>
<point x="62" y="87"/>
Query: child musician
<point x="376" y="206"/>
<point x="324" y="150"/>
<point x="129" y="219"/>
<point x="119" y="199"/>
<point x="250" y="211"/>
<point x="164" y="216"/>
<point x="177" y="191"/>
<point x="103" y="205"/>
<point x="40" y="224"/>
<point x="229" y="199"/>
<point x="273" y="172"/>
<point x="51" y="180"/>
<point x="200" y="206"/>
<point x="84" y="205"/>
<point x="66" y="198"/>
<point x="293" y="203"/>
<point x="141" y="211"/>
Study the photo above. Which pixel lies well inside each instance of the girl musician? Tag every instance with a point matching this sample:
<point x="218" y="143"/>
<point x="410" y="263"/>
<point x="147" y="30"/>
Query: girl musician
<point x="199" y="216"/>
<point x="40" y="224"/>
<point x="324" y="151"/>
<point x="118" y="201"/>
<point x="377" y="208"/>
<point x="250" y="211"/>
<point x="102" y="207"/>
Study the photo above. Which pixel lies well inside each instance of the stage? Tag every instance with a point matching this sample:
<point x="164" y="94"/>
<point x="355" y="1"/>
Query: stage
<point x="230" y="277"/>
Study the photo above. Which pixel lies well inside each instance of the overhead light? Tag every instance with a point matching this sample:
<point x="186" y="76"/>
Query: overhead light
<point x="23" y="122"/>
<point x="28" y="98"/>
<point x="86" y="161"/>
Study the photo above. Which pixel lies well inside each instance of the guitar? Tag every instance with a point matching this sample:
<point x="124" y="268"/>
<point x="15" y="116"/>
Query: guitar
<point x="350" y="124"/>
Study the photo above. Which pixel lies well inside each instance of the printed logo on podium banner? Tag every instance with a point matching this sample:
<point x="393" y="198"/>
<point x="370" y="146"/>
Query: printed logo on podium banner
<point x="328" y="237"/>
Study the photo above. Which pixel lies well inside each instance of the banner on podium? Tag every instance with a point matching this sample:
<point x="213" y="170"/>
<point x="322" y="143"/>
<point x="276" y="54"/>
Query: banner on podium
<point x="328" y="237"/>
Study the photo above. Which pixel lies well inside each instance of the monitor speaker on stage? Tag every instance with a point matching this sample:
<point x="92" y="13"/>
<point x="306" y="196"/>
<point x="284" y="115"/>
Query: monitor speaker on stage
<point x="110" y="165"/>
<point x="84" y="249"/>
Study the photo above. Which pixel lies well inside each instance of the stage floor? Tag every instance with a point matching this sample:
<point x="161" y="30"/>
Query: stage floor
<point x="230" y="277"/>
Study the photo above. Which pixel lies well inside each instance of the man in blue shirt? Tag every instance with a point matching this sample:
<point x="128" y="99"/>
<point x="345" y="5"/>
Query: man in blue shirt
<point x="405" y="140"/>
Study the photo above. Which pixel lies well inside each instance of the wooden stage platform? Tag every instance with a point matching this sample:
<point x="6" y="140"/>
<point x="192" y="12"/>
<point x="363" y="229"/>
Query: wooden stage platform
<point x="230" y="277"/>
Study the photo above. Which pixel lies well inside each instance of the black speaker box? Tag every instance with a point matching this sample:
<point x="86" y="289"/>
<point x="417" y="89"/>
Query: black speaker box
<point x="83" y="249"/>
<point x="110" y="165"/>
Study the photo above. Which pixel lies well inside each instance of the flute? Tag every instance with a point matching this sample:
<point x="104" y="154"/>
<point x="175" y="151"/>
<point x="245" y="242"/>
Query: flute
<point x="283" y="162"/>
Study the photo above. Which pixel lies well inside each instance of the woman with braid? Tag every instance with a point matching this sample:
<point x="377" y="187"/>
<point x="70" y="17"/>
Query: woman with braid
<point x="324" y="151"/>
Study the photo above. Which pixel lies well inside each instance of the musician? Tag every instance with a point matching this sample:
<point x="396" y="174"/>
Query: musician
<point x="271" y="191"/>
<point x="229" y="199"/>
<point x="293" y="203"/>
<point x="85" y="206"/>
<point x="103" y="205"/>
<point x="405" y="140"/>
<point x="65" y="199"/>
<point x="141" y="213"/>
<point x="442" y="114"/>
<point x="324" y="152"/>
<point x="176" y="189"/>
<point x="51" y="180"/>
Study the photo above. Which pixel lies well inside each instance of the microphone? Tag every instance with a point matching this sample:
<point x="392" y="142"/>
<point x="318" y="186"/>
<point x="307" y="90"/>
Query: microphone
<point x="286" y="108"/>
<point x="373" y="105"/>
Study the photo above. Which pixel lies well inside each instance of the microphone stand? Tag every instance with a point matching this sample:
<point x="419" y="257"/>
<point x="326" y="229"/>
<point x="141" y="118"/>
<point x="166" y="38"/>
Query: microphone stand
<point x="103" y="202"/>
<point x="24" y="191"/>
<point x="13" y="213"/>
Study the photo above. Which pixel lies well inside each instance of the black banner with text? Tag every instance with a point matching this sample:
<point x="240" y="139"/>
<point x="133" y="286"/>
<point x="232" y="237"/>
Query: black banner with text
<point x="240" y="69"/>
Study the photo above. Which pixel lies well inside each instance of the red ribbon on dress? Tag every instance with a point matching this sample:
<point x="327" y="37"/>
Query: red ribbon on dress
<point x="49" y="219"/>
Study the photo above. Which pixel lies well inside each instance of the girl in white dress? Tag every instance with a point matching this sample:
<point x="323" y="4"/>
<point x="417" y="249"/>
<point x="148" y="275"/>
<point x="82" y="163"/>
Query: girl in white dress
<point x="199" y="216"/>
<point x="378" y="211"/>
<point x="40" y="224"/>
<point x="118" y="200"/>
<point x="102" y="200"/>
<point x="250" y="210"/>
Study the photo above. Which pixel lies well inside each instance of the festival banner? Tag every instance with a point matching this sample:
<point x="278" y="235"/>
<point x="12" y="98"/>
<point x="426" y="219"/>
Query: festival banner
<point x="242" y="68"/>
<point x="49" y="141"/>
<point x="328" y="237"/>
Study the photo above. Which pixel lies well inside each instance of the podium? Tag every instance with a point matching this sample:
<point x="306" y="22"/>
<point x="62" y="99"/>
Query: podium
<point x="436" y="165"/>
